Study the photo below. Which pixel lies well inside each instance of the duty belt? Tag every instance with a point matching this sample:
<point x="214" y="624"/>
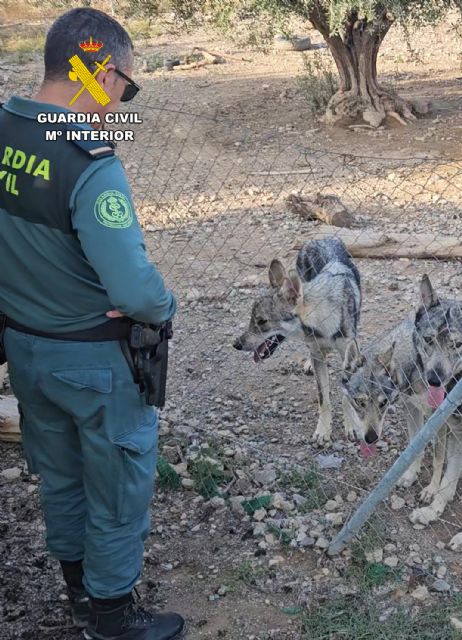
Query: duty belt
<point x="115" y="329"/>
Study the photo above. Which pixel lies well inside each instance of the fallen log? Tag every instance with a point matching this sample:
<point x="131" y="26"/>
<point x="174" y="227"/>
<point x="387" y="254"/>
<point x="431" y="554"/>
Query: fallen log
<point x="9" y="419"/>
<point x="363" y="243"/>
<point x="327" y="208"/>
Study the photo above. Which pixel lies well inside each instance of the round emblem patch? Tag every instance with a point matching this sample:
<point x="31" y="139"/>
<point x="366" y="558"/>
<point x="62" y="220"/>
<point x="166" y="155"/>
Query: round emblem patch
<point x="113" y="209"/>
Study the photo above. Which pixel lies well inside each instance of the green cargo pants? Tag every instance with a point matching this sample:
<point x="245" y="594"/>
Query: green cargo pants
<point x="89" y="434"/>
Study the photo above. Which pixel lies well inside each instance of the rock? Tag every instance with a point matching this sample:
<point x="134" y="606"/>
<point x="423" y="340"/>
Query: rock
<point x="421" y="106"/>
<point x="331" y="505"/>
<point x="259" y="515"/>
<point x="299" y="500"/>
<point x="329" y="461"/>
<point x="335" y="519"/>
<point x="259" y="529"/>
<point x="374" y="556"/>
<point x="420" y="593"/>
<point x="441" y="586"/>
<point x="187" y="483"/>
<point x="193" y="294"/>
<point x="397" y="503"/>
<point x="265" y="476"/>
<point x="275" y="561"/>
<point x="164" y="428"/>
<point x="322" y="543"/>
<point x="9" y="419"/>
<point x="294" y="43"/>
<point x="307" y="541"/>
<point x="391" y="561"/>
<point x="441" y="571"/>
<point x="170" y="454"/>
<point x="236" y="505"/>
<point x="456" y="623"/>
<point x="181" y="469"/>
<point x="223" y="590"/>
<point x="13" y="473"/>
<point x="352" y="496"/>
<point x="216" y="502"/>
<point x="281" y="504"/>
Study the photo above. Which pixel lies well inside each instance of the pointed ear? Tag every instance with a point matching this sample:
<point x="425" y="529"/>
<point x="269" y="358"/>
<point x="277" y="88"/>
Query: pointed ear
<point x="353" y="358"/>
<point x="292" y="287"/>
<point x="385" y="359"/>
<point x="276" y="274"/>
<point x="428" y="296"/>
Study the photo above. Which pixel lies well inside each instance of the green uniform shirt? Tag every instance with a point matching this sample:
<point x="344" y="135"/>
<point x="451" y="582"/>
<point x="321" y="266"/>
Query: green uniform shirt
<point x="71" y="247"/>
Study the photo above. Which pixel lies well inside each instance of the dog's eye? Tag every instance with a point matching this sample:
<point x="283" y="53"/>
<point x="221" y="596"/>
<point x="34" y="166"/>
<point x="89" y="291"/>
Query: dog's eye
<point x="457" y="344"/>
<point x="383" y="404"/>
<point x="428" y="339"/>
<point x="361" y="402"/>
<point x="261" y="322"/>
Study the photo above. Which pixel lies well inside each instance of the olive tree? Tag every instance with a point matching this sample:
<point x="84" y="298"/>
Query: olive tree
<point x="354" y="31"/>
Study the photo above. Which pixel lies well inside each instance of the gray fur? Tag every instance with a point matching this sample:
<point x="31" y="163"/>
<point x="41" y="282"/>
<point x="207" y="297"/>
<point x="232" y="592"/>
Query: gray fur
<point x="320" y="303"/>
<point x="438" y="341"/>
<point x="378" y="377"/>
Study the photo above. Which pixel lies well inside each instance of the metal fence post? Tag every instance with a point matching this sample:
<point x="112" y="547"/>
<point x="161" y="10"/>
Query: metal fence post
<point x="415" y="447"/>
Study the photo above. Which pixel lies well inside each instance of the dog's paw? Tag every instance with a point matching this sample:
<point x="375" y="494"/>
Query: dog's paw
<point x="350" y="434"/>
<point x="455" y="544"/>
<point x="321" y="438"/>
<point x="428" y="493"/>
<point x="407" y="479"/>
<point x="424" y="515"/>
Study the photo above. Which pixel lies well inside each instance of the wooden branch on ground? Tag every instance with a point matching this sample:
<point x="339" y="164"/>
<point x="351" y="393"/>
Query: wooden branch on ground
<point x="221" y="55"/>
<point x="372" y="244"/>
<point x="327" y="208"/>
<point x="9" y="419"/>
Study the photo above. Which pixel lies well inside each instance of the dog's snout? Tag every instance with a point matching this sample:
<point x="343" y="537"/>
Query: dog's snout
<point x="434" y="378"/>
<point x="237" y="344"/>
<point x="371" y="436"/>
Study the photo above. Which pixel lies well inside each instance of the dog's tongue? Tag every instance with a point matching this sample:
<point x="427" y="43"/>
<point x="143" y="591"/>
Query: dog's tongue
<point x="367" y="450"/>
<point x="435" y="396"/>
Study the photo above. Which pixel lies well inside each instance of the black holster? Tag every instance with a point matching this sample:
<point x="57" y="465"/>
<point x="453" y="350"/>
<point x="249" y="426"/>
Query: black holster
<point x="146" y="351"/>
<point x="2" y="334"/>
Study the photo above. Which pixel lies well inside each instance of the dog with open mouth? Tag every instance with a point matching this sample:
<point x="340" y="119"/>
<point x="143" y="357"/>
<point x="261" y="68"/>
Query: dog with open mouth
<point x="438" y="340"/>
<point x="319" y="302"/>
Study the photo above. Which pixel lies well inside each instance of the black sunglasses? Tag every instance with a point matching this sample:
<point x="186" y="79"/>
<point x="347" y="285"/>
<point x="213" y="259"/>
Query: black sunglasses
<point x="131" y="89"/>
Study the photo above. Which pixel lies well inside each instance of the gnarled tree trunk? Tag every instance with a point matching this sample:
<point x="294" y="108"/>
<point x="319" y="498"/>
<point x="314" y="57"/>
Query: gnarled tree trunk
<point x="360" y="98"/>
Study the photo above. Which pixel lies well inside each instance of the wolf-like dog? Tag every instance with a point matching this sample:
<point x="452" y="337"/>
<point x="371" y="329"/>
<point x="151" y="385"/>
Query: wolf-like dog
<point x="438" y="340"/>
<point x="389" y="370"/>
<point x="319" y="302"/>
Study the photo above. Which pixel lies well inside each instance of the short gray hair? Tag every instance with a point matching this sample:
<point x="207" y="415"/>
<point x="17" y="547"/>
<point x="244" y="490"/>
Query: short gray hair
<point x="76" y="26"/>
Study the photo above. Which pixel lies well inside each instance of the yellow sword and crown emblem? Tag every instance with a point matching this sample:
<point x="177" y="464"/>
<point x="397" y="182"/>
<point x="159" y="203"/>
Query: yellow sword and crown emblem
<point x="80" y="72"/>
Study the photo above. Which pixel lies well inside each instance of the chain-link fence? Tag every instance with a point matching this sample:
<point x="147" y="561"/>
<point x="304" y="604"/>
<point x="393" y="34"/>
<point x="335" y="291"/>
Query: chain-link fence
<point x="244" y="494"/>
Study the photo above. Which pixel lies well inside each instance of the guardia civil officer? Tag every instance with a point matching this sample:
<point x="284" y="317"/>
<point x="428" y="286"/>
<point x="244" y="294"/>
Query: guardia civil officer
<point x="73" y="270"/>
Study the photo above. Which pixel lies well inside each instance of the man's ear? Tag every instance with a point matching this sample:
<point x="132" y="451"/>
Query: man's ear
<point x="428" y="297"/>
<point x="292" y="288"/>
<point x="353" y="359"/>
<point x="276" y="274"/>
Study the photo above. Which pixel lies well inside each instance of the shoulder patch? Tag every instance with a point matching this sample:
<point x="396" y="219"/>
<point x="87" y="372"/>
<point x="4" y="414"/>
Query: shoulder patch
<point x="113" y="209"/>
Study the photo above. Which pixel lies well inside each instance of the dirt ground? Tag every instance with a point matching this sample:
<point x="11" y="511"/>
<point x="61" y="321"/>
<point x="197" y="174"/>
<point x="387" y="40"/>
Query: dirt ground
<point x="219" y="150"/>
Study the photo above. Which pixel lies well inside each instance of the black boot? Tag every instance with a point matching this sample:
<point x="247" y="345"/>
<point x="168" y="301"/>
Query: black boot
<point x="121" y="619"/>
<point x="78" y="597"/>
